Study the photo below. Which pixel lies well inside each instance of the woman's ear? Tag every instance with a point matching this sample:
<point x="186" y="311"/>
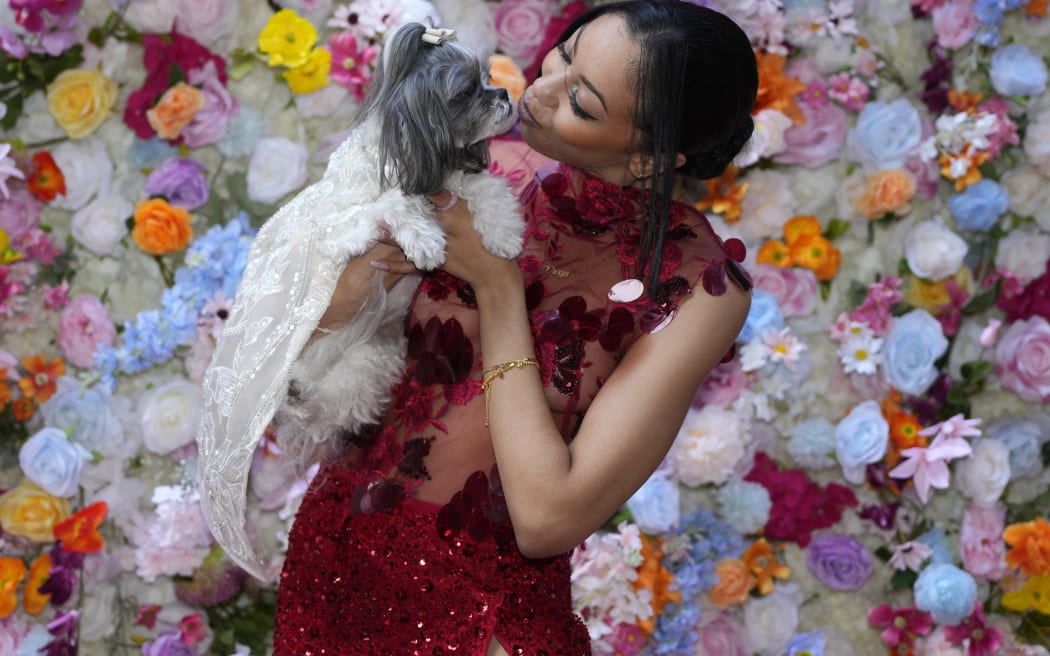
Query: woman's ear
<point x="641" y="165"/>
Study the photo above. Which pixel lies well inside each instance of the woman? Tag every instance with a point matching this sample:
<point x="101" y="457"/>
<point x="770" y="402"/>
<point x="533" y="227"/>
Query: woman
<point x="539" y="394"/>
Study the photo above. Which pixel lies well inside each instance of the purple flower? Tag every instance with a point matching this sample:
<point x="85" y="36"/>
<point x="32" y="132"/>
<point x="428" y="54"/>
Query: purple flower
<point x="168" y="643"/>
<point x="817" y="141"/>
<point x="64" y="628"/>
<point x="840" y="562"/>
<point x="60" y="583"/>
<point x="181" y="180"/>
<point x="210" y="123"/>
<point x="19" y="216"/>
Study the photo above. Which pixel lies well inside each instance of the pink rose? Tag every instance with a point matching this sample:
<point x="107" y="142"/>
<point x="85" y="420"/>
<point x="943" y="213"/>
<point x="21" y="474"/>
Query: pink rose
<point x="981" y="544"/>
<point x="520" y="27"/>
<point x="1022" y="359"/>
<point x="722" y="386"/>
<point x="795" y="289"/>
<point x="723" y="636"/>
<point x="19" y="214"/>
<point x="210" y="122"/>
<point x="955" y="23"/>
<point x="817" y="141"/>
<point x="82" y="326"/>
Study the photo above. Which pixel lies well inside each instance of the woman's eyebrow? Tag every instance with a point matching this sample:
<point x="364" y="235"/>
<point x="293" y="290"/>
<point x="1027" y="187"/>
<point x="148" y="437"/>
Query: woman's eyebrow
<point x="587" y="83"/>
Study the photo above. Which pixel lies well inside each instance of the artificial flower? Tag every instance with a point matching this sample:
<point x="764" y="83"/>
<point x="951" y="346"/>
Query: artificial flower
<point x="12" y="571"/>
<point x="763" y="563"/>
<point x="80" y="99"/>
<point x="160" y="227"/>
<point x="724" y="195"/>
<point x="174" y="110"/>
<point x="79" y="532"/>
<point x="901" y="624"/>
<point x="45" y="181"/>
<point x="39" y="383"/>
<point x="8" y="169"/>
<point x="352" y="64"/>
<point x="287" y="39"/>
<point x="927" y="466"/>
<point x="33" y="600"/>
<point x="1029" y="546"/>
<point x="1033" y="595"/>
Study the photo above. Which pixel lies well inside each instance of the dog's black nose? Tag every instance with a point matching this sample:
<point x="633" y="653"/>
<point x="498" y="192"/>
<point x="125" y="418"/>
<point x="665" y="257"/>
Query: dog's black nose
<point x="503" y="95"/>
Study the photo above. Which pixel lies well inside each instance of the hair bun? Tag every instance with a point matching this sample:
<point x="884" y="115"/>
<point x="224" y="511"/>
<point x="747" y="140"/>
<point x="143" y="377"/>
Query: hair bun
<point x="712" y="162"/>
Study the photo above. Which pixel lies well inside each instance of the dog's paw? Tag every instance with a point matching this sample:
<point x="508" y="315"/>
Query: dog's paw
<point x="422" y="240"/>
<point x="503" y="235"/>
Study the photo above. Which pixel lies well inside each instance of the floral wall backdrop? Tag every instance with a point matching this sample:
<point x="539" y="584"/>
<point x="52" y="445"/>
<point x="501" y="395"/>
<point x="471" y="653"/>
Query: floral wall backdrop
<point x="869" y="475"/>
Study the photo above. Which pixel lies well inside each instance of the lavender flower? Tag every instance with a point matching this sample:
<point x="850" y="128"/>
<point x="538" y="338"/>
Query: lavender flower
<point x="181" y="181"/>
<point x="840" y="562"/>
<point x="168" y="643"/>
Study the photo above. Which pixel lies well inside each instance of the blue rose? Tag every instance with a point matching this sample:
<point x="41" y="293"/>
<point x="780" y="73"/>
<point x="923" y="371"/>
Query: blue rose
<point x="812" y="442"/>
<point x="811" y="644"/>
<point x="980" y="206"/>
<point x="744" y="505"/>
<point x="914" y="344"/>
<point x="861" y="439"/>
<point x="655" y="505"/>
<point x="1017" y="70"/>
<point x="946" y="592"/>
<point x="87" y="414"/>
<point x="937" y="541"/>
<point x="51" y="461"/>
<point x="886" y="134"/>
<point x="1024" y="438"/>
<point x="765" y="315"/>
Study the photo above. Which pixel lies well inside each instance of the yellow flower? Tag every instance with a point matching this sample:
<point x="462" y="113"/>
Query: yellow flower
<point x="7" y="254"/>
<point x="80" y="99"/>
<point x="31" y="513"/>
<point x="932" y="296"/>
<point x="1035" y="593"/>
<point x="287" y="39"/>
<point x="312" y="75"/>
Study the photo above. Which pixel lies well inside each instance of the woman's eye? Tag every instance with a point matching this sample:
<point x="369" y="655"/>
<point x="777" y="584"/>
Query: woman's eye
<point x="575" y="104"/>
<point x="564" y="53"/>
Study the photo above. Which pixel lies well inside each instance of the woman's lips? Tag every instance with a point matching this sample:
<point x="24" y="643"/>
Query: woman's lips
<point x="524" y="114"/>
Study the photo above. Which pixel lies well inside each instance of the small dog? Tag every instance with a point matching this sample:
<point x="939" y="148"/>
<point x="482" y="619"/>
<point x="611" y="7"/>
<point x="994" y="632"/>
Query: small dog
<point x="423" y="129"/>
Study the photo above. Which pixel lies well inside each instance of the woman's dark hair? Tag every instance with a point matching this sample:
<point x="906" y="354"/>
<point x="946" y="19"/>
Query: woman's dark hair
<point x="695" y="83"/>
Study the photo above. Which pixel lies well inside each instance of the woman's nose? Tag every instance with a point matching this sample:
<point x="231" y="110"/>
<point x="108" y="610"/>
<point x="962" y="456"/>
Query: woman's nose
<point x="545" y="89"/>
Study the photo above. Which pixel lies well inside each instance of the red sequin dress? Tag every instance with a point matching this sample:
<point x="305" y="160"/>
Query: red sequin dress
<point x="403" y="545"/>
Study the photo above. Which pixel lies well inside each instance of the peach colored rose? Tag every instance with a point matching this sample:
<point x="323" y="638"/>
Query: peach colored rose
<point x="29" y="512"/>
<point x="176" y="107"/>
<point x="161" y="227"/>
<point x="888" y="191"/>
<point x="734" y="583"/>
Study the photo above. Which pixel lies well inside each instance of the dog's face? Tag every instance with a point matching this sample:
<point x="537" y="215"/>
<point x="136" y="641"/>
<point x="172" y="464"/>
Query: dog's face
<point x="436" y="107"/>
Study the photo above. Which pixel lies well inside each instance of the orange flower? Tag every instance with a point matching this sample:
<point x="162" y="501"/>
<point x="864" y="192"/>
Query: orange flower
<point x="964" y="101"/>
<point x="41" y="382"/>
<point x="176" y="107"/>
<point x="23" y="409"/>
<point x="776" y="90"/>
<point x="724" y="195"/>
<point x="653" y="576"/>
<point x="12" y="571"/>
<point x="802" y="224"/>
<point x="46" y="180"/>
<point x="1030" y="542"/>
<point x="505" y="73"/>
<point x="1036" y="8"/>
<point x="734" y="583"/>
<point x="775" y="252"/>
<point x="968" y="158"/>
<point x="890" y="404"/>
<point x="79" y="532"/>
<point x="161" y="227"/>
<point x="5" y="390"/>
<point x="32" y="599"/>
<point x="816" y="253"/>
<point x="904" y="431"/>
<point x="764" y="565"/>
<point x="888" y="191"/>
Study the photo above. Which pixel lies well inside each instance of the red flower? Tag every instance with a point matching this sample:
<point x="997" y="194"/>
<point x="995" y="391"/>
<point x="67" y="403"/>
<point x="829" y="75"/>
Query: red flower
<point x="902" y="624"/>
<point x="45" y="181"/>
<point x="800" y="506"/>
<point x="41" y="382"/>
<point x="78" y="533"/>
<point x="1033" y="300"/>
<point x="984" y="640"/>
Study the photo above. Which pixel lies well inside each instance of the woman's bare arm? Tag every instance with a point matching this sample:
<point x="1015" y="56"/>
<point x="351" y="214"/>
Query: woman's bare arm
<point x="559" y="494"/>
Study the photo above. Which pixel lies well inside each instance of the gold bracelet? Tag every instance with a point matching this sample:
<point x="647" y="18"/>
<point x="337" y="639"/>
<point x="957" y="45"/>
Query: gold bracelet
<point x="490" y="374"/>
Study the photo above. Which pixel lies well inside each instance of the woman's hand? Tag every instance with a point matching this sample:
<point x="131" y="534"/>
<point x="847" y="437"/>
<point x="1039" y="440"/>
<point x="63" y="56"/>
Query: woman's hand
<point x="354" y="285"/>
<point x="466" y="257"/>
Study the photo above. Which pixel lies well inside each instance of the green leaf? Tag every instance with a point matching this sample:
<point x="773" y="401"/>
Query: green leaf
<point x="1034" y="629"/>
<point x="976" y="370"/>
<point x="836" y="228"/>
<point x="903" y="578"/>
<point x="175" y="75"/>
<point x="981" y="302"/>
<point x="884" y="553"/>
<point x="902" y="268"/>
<point x="825" y="289"/>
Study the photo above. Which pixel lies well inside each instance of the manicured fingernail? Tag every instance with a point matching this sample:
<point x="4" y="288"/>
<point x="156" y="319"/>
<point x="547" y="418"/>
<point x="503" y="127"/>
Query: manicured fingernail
<point x="378" y="264"/>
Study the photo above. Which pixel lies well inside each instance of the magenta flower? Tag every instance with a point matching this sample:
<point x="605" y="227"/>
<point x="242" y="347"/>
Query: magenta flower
<point x="928" y="467"/>
<point x="351" y="67"/>
<point x="901" y="624"/>
<point x="849" y="91"/>
<point x="984" y="640"/>
<point x="815" y="95"/>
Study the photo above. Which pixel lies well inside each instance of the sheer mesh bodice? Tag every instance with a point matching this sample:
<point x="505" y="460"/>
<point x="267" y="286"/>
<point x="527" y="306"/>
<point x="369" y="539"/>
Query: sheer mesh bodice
<point x="433" y="457"/>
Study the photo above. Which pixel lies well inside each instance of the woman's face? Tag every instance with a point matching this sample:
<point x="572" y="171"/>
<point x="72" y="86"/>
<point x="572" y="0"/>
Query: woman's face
<point x="579" y="110"/>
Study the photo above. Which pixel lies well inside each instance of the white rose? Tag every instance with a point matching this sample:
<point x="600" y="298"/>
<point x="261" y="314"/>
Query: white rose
<point x="96" y="614"/>
<point x="278" y="166"/>
<point x="1024" y="252"/>
<point x="767" y="139"/>
<point x="157" y="16"/>
<point x="169" y="415"/>
<point x="87" y="169"/>
<point x="1029" y="194"/>
<point x="813" y="188"/>
<point x="890" y="12"/>
<point x="848" y="193"/>
<point x="36" y="123"/>
<point x="768" y="205"/>
<point x="207" y="21"/>
<point x="984" y="476"/>
<point x="1037" y="142"/>
<point x="771" y="621"/>
<point x="708" y="447"/>
<point x="933" y="251"/>
<point x="101" y="224"/>
<point x="323" y="102"/>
